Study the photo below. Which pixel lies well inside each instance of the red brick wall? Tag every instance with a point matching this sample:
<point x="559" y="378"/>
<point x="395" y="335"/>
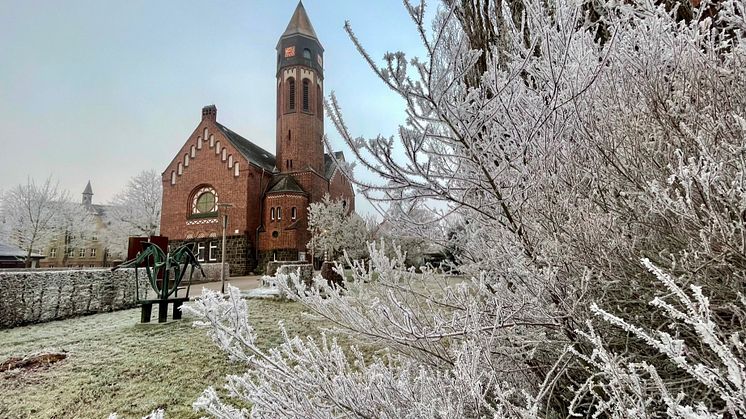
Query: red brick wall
<point x="208" y="168"/>
<point x="286" y="239"/>
<point x="341" y="188"/>
<point x="299" y="132"/>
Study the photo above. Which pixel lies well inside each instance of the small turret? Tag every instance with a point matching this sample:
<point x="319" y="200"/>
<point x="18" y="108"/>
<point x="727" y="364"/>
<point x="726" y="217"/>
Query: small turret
<point x="88" y="195"/>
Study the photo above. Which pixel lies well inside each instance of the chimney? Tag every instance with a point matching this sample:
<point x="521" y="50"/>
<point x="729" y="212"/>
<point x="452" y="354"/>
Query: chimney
<point x="210" y="112"/>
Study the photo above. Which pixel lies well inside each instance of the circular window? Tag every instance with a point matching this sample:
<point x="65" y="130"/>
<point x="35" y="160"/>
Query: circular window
<point x="205" y="201"/>
<point x="275" y="234"/>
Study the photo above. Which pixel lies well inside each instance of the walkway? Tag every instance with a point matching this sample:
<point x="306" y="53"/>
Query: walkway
<point x="241" y="282"/>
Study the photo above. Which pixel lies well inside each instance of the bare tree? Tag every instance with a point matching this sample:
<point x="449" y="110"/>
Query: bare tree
<point x="135" y="211"/>
<point x="35" y="214"/>
<point x="570" y="159"/>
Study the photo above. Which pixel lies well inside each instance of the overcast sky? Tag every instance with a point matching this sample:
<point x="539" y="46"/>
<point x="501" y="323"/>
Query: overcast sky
<point x="103" y="89"/>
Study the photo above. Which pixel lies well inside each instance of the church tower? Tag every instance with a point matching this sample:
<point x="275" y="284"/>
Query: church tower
<point x="88" y="195"/>
<point x="300" y="90"/>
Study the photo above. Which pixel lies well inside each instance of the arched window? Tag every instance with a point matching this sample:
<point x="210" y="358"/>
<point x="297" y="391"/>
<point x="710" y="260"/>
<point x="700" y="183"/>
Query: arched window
<point x="319" y="102"/>
<point x="230" y="161"/>
<point x="306" y="93"/>
<point x="279" y="99"/>
<point x="272" y="214"/>
<point x="223" y="154"/>
<point x="204" y="201"/>
<point x="194" y="152"/>
<point x="173" y="177"/>
<point x="293" y="213"/>
<point x="307" y="54"/>
<point x="204" y="133"/>
<point x="186" y="160"/>
<point x="291" y="94"/>
<point x="235" y="170"/>
<point x="279" y="213"/>
<point x="212" y="141"/>
<point x="217" y="147"/>
<point x="180" y="169"/>
<point x="199" y="143"/>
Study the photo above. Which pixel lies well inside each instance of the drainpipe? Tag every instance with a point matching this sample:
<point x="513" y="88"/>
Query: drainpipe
<point x="261" y="218"/>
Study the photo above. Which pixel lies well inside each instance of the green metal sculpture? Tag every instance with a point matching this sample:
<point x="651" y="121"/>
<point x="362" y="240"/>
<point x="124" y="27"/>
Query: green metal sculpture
<point x="159" y="267"/>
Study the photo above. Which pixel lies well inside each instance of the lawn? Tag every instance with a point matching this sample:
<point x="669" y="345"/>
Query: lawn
<point x="115" y="364"/>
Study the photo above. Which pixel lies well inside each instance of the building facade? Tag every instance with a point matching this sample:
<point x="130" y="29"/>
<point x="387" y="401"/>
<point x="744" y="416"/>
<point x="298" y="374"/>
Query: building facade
<point x="265" y="196"/>
<point x="81" y="252"/>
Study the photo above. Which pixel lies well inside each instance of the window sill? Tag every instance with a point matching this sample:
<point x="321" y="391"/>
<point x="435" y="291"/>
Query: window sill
<point x="201" y="216"/>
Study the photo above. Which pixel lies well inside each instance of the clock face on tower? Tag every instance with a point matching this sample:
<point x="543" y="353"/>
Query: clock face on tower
<point x="289" y="52"/>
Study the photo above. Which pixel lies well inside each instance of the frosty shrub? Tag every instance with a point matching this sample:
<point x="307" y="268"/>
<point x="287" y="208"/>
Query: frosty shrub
<point x="335" y="230"/>
<point x="635" y="390"/>
<point x="573" y="139"/>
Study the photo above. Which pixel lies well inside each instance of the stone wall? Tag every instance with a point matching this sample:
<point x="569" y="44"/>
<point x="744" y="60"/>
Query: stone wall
<point x="277" y="257"/>
<point x="239" y="255"/>
<point x="40" y="296"/>
<point x="212" y="273"/>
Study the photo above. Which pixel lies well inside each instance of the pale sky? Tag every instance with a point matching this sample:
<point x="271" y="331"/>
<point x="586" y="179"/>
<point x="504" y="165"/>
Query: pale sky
<point x="103" y="89"/>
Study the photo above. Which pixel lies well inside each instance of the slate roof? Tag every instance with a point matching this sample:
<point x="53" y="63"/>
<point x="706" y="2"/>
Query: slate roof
<point x="300" y="24"/>
<point x="251" y="151"/>
<point x="286" y="184"/>
<point x="330" y="164"/>
<point x="7" y="250"/>
<point x="88" y="190"/>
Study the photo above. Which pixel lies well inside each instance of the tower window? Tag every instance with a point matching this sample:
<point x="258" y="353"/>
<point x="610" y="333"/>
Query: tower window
<point x="272" y="214"/>
<point x="279" y="213"/>
<point x="291" y="94"/>
<point x="290" y="135"/>
<point x="319" y="101"/>
<point x="294" y="213"/>
<point x="306" y="106"/>
<point x="307" y="54"/>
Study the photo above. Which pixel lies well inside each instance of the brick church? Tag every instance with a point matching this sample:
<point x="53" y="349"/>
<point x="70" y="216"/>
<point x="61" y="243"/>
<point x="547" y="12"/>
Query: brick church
<point x="268" y="193"/>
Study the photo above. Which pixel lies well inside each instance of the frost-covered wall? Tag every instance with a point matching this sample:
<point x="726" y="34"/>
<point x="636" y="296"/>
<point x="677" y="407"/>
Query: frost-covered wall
<point x="212" y="273"/>
<point x="40" y="296"/>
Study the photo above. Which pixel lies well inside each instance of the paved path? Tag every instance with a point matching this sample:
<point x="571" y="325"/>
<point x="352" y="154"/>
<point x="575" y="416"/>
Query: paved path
<point x="242" y="282"/>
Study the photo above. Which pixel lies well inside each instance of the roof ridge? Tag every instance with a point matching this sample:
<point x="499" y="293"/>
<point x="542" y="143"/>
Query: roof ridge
<point x="251" y="151"/>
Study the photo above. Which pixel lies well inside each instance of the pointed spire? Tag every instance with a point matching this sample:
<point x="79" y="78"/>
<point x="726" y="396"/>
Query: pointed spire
<point x="300" y="23"/>
<point x="88" y="195"/>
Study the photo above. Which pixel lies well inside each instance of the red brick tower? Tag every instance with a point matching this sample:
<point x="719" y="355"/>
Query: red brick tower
<point x="300" y="89"/>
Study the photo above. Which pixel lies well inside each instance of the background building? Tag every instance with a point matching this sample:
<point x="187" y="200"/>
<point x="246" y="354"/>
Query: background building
<point x="81" y="252"/>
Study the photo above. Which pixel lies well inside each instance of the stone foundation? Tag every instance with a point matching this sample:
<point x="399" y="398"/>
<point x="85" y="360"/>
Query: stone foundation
<point x="239" y="254"/>
<point x="283" y="255"/>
